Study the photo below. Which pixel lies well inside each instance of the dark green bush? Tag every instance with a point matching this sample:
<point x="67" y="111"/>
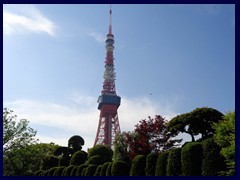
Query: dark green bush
<point x="151" y="161"/>
<point x="161" y="165"/>
<point x="58" y="171"/>
<point x="51" y="171"/>
<point x="48" y="162"/>
<point x="138" y="166"/>
<point x="104" y="169"/>
<point x="78" y="158"/>
<point x="80" y="168"/>
<point x="67" y="171"/>
<point x="120" y="168"/>
<point x="109" y="169"/>
<point x="174" y="167"/>
<point x="97" y="160"/>
<point x="37" y="173"/>
<point x="45" y="173"/>
<point x="83" y="171"/>
<point x="74" y="170"/>
<point x="98" y="171"/>
<point x="191" y="159"/>
<point x="213" y="161"/>
<point x="101" y="150"/>
<point x="90" y="170"/>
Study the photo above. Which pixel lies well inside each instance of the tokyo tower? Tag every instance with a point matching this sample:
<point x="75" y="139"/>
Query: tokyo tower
<point x="108" y="101"/>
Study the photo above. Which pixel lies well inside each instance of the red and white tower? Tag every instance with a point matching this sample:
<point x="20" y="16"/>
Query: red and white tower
<point x="108" y="101"/>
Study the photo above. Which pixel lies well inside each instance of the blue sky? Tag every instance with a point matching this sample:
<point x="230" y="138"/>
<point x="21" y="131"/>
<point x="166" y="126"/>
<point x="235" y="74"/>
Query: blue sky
<point x="169" y="59"/>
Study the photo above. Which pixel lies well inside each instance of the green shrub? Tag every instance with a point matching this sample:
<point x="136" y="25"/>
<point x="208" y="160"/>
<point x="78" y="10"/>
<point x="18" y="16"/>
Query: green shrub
<point x="80" y="168"/>
<point x="101" y="150"/>
<point x="174" y="167"/>
<point x="48" y="162"/>
<point x="213" y="161"/>
<point x="83" y="171"/>
<point x="104" y="169"/>
<point x="161" y="165"/>
<point x="138" y="166"/>
<point x="58" y="171"/>
<point x="191" y="159"/>
<point x="90" y="170"/>
<point x="120" y="168"/>
<point x="38" y="173"/>
<point x="97" y="160"/>
<point x="98" y="171"/>
<point x="109" y="169"/>
<point x="74" y="170"/>
<point x="151" y="161"/>
<point x="78" y="158"/>
<point x="51" y="171"/>
<point x="67" y="171"/>
<point x="45" y="173"/>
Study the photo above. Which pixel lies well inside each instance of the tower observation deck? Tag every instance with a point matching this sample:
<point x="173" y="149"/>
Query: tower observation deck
<point x="108" y="101"/>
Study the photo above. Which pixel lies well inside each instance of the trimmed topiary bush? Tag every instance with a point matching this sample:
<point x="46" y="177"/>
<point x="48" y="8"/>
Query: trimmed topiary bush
<point x="191" y="159"/>
<point x="97" y="160"/>
<point x="78" y="158"/>
<point x="213" y="161"/>
<point x="38" y="173"/>
<point x="151" y="161"/>
<point x="58" y="171"/>
<point x="45" y="173"/>
<point x="103" y="151"/>
<point x="83" y="171"/>
<point x="90" y="170"/>
<point x="67" y="171"/>
<point x="80" y="168"/>
<point x="104" y="169"/>
<point x="138" y="166"/>
<point x="109" y="169"/>
<point x="161" y="165"/>
<point x="74" y="170"/>
<point x="120" y="168"/>
<point x="64" y="161"/>
<point x="174" y="167"/>
<point x="51" y="171"/>
<point x="98" y="170"/>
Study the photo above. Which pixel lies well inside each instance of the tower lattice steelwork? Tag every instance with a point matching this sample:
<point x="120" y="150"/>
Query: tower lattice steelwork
<point x="108" y="101"/>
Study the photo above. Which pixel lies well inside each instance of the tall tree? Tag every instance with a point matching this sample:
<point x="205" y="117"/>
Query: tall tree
<point x="225" y="137"/>
<point x="198" y="121"/>
<point x="16" y="134"/>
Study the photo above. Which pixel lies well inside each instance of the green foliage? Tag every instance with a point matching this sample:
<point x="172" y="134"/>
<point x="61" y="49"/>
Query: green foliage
<point x="59" y="171"/>
<point x="109" y="170"/>
<point x="174" y="163"/>
<point x="78" y="158"/>
<point x="101" y="150"/>
<point x="74" y="171"/>
<point x="80" y="169"/>
<point x="213" y="161"/>
<point x="64" y="161"/>
<point x="98" y="170"/>
<point x="161" y="165"/>
<point x="191" y="159"/>
<point x="138" y="166"/>
<point x="225" y="137"/>
<point x="104" y="169"/>
<point x="67" y="170"/>
<point x="120" y="168"/>
<point x="48" y="162"/>
<point x="90" y="170"/>
<point x="38" y="172"/>
<point x="52" y="170"/>
<point x="151" y="161"/>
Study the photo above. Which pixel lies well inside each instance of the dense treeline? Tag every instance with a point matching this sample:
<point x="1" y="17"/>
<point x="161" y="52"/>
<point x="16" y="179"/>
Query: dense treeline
<point x="152" y="149"/>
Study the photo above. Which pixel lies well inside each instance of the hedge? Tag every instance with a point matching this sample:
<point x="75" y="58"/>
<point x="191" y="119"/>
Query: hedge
<point x="191" y="159"/>
<point x="48" y="162"/>
<point x="104" y="168"/>
<point x="98" y="170"/>
<point x="120" y="168"/>
<point x="78" y="158"/>
<point x="161" y="165"/>
<point x="51" y="171"/>
<point x="138" y="166"/>
<point x="67" y="171"/>
<point x="213" y="161"/>
<point x="80" y="169"/>
<point x="74" y="171"/>
<point x="109" y="169"/>
<point x="90" y="170"/>
<point x="151" y="161"/>
<point x="174" y="167"/>
<point x="38" y="172"/>
<point x="58" y="171"/>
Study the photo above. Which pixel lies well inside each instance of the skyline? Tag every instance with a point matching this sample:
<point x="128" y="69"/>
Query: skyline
<point x="169" y="60"/>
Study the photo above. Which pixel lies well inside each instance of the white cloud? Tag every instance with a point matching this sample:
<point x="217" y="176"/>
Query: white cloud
<point x="25" y="18"/>
<point x="62" y="121"/>
<point x="97" y="37"/>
